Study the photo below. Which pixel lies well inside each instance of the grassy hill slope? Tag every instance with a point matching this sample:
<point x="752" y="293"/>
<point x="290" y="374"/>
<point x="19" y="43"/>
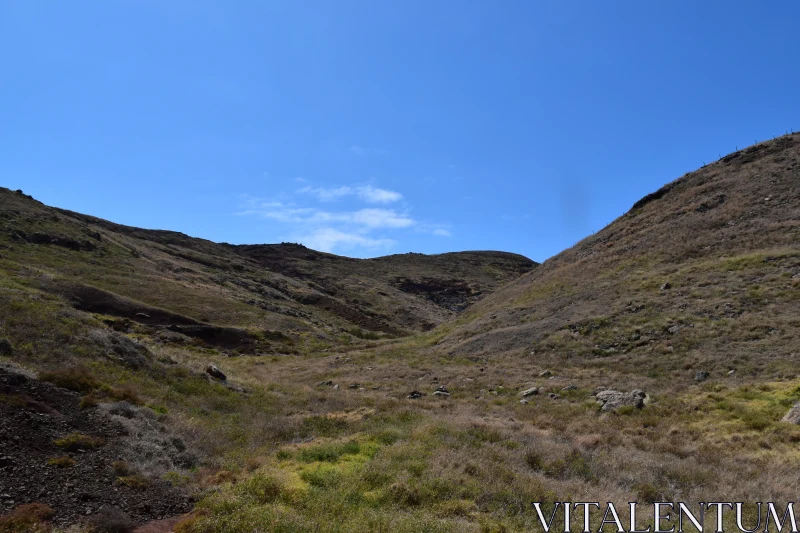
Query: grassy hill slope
<point x="701" y="275"/>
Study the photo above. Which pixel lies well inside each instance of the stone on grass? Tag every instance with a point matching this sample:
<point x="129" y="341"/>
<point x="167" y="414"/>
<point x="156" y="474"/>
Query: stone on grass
<point x="611" y="400"/>
<point x="216" y="373"/>
<point x="793" y="416"/>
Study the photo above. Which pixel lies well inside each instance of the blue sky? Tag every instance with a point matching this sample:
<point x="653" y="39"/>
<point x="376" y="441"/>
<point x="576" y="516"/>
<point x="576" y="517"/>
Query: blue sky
<point x="367" y="127"/>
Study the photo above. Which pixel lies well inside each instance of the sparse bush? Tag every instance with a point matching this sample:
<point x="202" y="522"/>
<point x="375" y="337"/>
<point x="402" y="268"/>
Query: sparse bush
<point x="261" y="488"/>
<point x="322" y="475"/>
<point x="575" y="464"/>
<point x="76" y="378"/>
<point x="111" y="520"/>
<point x="6" y="348"/>
<point x="125" y="394"/>
<point x="121" y="468"/>
<point x="364" y="334"/>
<point x="534" y="460"/>
<point x="89" y="401"/>
<point x="65" y="461"/>
<point x="28" y="518"/>
<point x="78" y="441"/>
<point x="329" y="452"/>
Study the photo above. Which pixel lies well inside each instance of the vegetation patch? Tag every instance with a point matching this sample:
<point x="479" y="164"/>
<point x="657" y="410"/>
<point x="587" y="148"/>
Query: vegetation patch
<point x="78" y="441"/>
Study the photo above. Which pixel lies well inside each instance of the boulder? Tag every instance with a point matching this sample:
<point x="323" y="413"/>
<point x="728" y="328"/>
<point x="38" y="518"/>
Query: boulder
<point x="793" y="416"/>
<point x="611" y="400"/>
<point x="701" y="376"/>
<point x="533" y="391"/>
<point x="216" y="373"/>
<point x="441" y="391"/>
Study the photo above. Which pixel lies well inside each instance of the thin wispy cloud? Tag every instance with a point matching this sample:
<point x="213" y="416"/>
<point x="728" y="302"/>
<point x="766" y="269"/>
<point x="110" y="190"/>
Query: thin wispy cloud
<point x="310" y="217"/>
<point x="358" y="150"/>
<point x="368" y="193"/>
<point x="329" y="239"/>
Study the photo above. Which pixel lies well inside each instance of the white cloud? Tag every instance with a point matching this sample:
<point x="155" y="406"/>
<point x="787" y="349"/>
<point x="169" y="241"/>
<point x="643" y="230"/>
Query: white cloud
<point x="309" y="218"/>
<point x="327" y="194"/>
<point x="358" y="150"/>
<point x="365" y="219"/>
<point x="381" y="218"/>
<point x="367" y="193"/>
<point x="374" y="195"/>
<point x="327" y="239"/>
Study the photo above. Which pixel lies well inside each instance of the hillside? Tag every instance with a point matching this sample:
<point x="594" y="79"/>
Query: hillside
<point x="163" y="278"/>
<point x="144" y="373"/>
<point x="702" y="274"/>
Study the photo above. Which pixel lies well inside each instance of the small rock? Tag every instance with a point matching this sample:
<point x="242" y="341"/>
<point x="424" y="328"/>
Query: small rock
<point x="522" y="401"/>
<point x="674" y="329"/>
<point x="701" y="376"/>
<point x="215" y="372"/>
<point x="553" y="396"/>
<point x="353" y="386"/>
<point x="415" y="395"/>
<point x="731" y="372"/>
<point x="336" y="387"/>
<point x="569" y="388"/>
<point x="666" y="286"/>
<point x="545" y="374"/>
<point x="142" y="315"/>
<point x="533" y="391"/>
<point x="325" y="384"/>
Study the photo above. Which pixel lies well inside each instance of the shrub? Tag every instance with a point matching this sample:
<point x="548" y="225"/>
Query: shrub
<point x="329" y="452"/>
<point x="121" y="468"/>
<point x="324" y="475"/>
<point x="78" y="441"/>
<point x="77" y="378"/>
<point x="89" y="401"/>
<point x="5" y="347"/>
<point x="261" y="488"/>
<point x="28" y="518"/>
<point x="111" y="520"/>
<point x="125" y="394"/>
<point x="64" y="461"/>
<point x="534" y="460"/>
<point x="575" y="464"/>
